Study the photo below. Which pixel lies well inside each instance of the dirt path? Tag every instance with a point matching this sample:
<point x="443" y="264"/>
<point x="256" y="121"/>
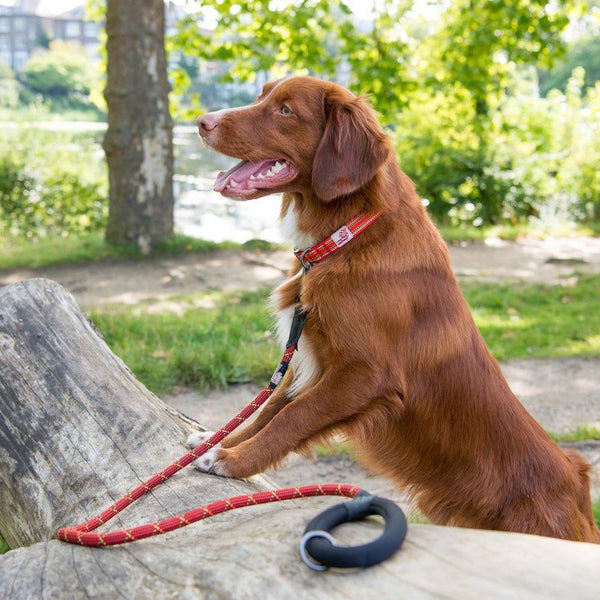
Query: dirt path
<point x="97" y="284"/>
<point x="560" y="393"/>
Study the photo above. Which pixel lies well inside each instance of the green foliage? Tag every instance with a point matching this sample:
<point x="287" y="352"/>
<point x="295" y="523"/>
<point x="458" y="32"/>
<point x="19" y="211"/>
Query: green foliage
<point x="481" y="42"/>
<point x="260" y="34"/>
<point x="48" y="185"/>
<point x="476" y="43"/>
<point x="462" y="176"/>
<point x="535" y="158"/>
<point x="579" y="175"/>
<point x="481" y="149"/>
<point x="62" y="74"/>
<point x="314" y="36"/>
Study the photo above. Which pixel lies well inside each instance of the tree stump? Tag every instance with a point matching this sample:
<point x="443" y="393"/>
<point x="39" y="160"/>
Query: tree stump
<point x="77" y="431"/>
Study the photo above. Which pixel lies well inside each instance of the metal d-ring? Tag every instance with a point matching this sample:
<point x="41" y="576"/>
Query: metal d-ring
<point x="305" y="265"/>
<point x="304" y="554"/>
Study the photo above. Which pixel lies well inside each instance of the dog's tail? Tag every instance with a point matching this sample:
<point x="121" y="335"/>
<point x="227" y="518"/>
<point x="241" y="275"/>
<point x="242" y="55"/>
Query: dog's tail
<point x="582" y="469"/>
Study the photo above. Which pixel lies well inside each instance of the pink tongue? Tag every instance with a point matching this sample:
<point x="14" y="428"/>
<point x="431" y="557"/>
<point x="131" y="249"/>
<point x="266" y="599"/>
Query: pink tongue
<point x="241" y="172"/>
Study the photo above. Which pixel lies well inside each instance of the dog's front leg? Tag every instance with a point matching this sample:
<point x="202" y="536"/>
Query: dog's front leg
<point x="276" y="402"/>
<point x="334" y="398"/>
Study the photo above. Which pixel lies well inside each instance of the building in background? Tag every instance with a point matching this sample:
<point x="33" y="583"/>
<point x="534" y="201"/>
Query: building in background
<point x="26" y="25"/>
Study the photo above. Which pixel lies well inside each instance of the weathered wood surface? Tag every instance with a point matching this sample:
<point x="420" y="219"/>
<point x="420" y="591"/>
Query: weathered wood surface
<point x="77" y="431"/>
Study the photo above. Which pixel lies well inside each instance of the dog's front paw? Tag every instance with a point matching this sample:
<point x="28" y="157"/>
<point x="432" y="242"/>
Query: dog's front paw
<point x="197" y="438"/>
<point x="210" y="461"/>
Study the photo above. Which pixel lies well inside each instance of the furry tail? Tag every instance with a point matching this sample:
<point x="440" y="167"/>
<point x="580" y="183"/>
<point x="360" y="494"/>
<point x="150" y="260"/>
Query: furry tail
<point x="590" y="532"/>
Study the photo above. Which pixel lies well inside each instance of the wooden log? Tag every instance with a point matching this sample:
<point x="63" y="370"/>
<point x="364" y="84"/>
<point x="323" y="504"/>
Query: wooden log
<point x="77" y="431"/>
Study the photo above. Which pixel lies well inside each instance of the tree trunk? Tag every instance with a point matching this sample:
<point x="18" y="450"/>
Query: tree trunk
<point x="77" y="431"/>
<point x="139" y="141"/>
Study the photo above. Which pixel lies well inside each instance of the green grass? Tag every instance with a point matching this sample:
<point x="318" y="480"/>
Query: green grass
<point x="46" y="252"/>
<point x="3" y="546"/>
<point x="52" y="250"/>
<point x="519" y="321"/>
<point x="334" y="448"/>
<point x="210" y="340"/>
<point x="204" y="340"/>
<point x="452" y="233"/>
<point x="583" y="433"/>
<point x="596" y="510"/>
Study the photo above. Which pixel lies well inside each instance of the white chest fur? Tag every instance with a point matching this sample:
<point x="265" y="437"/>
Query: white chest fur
<point x="305" y="367"/>
<point x="290" y="231"/>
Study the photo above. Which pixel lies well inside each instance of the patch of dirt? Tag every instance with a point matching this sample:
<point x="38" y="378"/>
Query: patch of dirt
<point x="560" y="393"/>
<point x="101" y="283"/>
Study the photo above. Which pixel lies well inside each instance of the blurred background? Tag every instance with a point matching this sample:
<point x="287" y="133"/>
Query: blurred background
<point x="493" y="107"/>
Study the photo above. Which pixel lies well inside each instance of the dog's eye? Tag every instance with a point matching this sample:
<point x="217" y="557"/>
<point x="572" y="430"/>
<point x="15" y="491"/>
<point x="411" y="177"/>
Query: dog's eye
<point x="285" y="110"/>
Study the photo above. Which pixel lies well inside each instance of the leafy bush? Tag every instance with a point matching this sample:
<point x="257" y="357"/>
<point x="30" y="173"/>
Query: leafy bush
<point x="64" y="74"/>
<point x="532" y="157"/>
<point x="460" y="174"/>
<point x="48" y="185"/>
<point x="580" y="176"/>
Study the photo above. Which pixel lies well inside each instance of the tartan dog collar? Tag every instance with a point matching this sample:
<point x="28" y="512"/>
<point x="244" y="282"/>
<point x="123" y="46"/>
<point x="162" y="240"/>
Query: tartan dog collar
<point x="314" y="254"/>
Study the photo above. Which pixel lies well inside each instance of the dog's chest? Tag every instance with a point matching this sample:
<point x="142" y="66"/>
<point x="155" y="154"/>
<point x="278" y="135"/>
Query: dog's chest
<point x="305" y="366"/>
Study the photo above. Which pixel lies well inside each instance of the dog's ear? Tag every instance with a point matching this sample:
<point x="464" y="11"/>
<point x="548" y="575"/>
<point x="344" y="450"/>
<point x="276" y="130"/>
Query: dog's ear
<point x="351" y="150"/>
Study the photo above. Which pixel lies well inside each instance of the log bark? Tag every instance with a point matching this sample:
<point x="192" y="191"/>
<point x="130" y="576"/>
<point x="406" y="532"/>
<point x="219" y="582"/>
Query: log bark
<point x="77" y="431"/>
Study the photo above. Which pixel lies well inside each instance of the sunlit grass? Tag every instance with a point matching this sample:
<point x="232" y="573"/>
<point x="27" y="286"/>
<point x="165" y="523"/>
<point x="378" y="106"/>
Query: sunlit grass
<point x="210" y="341"/>
<point x="45" y="252"/>
<point x="508" y="231"/>
<point x="334" y="448"/>
<point x="53" y="250"/>
<point x="582" y="433"/>
<point x="520" y="320"/>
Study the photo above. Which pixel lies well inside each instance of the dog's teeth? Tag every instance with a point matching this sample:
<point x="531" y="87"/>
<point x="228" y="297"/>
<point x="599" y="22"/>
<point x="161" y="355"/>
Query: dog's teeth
<point x="269" y="173"/>
<point x="278" y="166"/>
<point x="233" y="183"/>
<point x="253" y="177"/>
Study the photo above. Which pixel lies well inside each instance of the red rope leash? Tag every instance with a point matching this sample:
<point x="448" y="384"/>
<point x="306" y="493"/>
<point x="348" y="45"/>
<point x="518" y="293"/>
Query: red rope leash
<point x="83" y="534"/>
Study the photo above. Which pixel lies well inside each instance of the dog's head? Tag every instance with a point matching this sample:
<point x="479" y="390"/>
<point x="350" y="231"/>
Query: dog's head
<point x="300" y="135"/>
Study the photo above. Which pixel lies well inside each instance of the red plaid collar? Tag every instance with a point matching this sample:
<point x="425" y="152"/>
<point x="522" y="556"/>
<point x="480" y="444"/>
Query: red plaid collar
<point x="309" y="256"/>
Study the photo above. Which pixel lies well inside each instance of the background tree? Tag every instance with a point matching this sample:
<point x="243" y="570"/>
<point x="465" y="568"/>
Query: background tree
<point x="138" y="142"/>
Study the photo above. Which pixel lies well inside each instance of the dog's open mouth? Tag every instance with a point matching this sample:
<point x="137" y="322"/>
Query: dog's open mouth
<point x="249" y="179"/>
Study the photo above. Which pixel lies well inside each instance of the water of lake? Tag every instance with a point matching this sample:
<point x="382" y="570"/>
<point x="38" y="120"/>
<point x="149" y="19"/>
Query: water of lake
<point x="199" y="211"/>
<point x="203" y="213"/>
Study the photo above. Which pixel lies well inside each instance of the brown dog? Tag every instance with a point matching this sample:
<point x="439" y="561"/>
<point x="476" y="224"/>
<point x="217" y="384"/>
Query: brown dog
<point x="390" y="355"/>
